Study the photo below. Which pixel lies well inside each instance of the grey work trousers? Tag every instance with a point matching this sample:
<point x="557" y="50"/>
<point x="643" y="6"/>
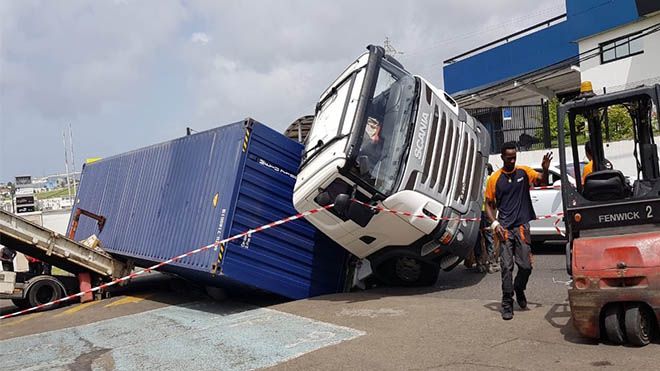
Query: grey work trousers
<point x="516" y="247"/>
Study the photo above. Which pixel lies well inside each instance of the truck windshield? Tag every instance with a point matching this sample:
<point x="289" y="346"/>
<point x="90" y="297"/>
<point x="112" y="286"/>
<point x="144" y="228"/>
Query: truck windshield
<point x="329" y="118"/>
<point x="383" y="145"/>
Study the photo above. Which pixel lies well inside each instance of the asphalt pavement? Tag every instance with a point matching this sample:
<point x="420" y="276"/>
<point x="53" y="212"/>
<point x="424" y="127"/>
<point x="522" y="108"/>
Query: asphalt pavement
<point x="161" y="322"/>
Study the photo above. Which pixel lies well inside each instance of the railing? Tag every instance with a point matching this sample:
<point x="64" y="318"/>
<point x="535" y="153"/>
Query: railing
<point x="506" y="39"/>
<point x="527" y="126"/>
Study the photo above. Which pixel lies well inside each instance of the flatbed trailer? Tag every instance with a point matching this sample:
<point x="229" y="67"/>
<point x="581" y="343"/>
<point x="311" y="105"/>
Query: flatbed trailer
<point x="90" y="266"/>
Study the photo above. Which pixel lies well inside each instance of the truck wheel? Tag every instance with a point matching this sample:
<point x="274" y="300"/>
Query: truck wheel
<point x="639" y="325"/>
<point x="42" y="292"/>
<point x="408" y="270"/>
<point x="21" y="303"/>
<point x="412" y="272"/>
<point x="613" y="321"/>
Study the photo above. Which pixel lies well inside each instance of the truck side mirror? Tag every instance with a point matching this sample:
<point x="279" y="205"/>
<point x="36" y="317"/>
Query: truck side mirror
<point x="359" y="214"/>
<point x="342" y="202"/>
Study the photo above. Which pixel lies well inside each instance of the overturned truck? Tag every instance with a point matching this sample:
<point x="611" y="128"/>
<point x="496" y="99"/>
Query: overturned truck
<point x="390" y="139"/>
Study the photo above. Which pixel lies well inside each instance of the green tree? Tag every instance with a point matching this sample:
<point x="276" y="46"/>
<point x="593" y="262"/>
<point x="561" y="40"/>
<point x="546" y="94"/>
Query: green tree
<point x="580" y="124"/>
<point x="621" y="125"/>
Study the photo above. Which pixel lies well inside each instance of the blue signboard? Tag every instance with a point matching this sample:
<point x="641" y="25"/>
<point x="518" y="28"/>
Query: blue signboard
<point x="506" y="113"/>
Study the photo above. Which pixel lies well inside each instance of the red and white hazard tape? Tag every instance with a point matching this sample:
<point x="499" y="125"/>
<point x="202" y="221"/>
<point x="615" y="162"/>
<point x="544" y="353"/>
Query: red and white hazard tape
<point x="544" y="188"/>
<point x="412" y="215"/>
<point x="557" y="227"/>
<point x="154" y="267"/>
<point x="248" y="233"/>
<point x="424" y="216"/>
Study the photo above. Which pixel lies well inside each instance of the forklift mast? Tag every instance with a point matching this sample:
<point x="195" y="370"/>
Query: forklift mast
<point x="607" y="199"/>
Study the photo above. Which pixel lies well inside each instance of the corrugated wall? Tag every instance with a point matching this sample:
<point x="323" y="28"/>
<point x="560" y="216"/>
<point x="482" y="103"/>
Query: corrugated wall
<point x="159" y="203"/>
<point x="158" y="200"/>
<point x="284" y="257"/>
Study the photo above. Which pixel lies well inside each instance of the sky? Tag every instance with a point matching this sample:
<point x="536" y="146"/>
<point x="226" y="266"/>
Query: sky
<point x="127" y="74"/>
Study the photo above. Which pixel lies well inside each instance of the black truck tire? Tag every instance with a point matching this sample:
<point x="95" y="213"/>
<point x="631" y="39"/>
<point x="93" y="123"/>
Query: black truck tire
<point x="413" y="272"/>
<point x="406" y="271"/>
<point x="43" y="291"/>
<point x="613" y="321"/>
<point x="639" y="325"/>
<point x="21" y="303"/>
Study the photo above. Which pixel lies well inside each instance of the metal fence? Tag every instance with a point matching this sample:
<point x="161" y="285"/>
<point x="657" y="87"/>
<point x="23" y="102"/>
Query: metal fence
<point x="527" y="126"/>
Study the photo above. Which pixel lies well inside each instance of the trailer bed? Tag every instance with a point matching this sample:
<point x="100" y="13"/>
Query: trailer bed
<point x="51" y="247"/>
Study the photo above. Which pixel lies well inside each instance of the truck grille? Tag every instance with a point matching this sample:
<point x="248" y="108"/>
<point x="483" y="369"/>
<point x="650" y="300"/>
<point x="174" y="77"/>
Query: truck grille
<point x="451" y="162"/>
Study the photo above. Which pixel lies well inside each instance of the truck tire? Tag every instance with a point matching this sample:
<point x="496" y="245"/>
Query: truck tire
<point x="412" y="272"/>
<point x="405" y="271"/>
<point x="639" y="325"/>
<point x="44" y="291"/>
<point x="21" y="303"/>
<point x="613" y="322"/>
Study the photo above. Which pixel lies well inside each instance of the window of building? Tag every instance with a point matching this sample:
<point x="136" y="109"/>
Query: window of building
<point x="620" y="48"/>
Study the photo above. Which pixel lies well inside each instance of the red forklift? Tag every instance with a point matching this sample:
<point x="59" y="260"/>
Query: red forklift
<point x="613" y="222"/>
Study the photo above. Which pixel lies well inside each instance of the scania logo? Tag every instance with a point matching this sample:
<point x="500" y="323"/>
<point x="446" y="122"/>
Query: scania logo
<point x="420" y="139"/>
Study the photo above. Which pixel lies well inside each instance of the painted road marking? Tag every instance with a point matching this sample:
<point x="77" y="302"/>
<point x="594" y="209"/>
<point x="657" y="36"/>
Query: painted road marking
<point x="25" y="318"/>
<point x="127" y="300"/>
<point x="75" y="308"/>
<point x="372" y="313"/>
<point x="197" y="336"/>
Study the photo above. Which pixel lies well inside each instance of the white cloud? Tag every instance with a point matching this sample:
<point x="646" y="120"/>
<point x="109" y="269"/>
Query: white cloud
<point x="272" y="63"/>
<point x="108" y="62"/>
<point x="77" y="56"/>
<point x="229" y="91"/>
<point x="200" y="38"/>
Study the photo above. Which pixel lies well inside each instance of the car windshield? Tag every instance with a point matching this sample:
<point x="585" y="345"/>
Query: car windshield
<point x="383" y="144"/>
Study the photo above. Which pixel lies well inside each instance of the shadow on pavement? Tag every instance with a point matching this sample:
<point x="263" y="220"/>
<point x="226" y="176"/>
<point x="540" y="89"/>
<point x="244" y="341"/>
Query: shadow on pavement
<point x="549" y="248"/>
<point x="559" y="317"/>
<point x="171" y="290"/>
<point x="496" y="307"/>
<point x="456" y="279"/>
<point x="174" y="290"/>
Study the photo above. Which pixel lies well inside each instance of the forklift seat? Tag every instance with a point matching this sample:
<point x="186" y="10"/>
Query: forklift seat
<point x="605" y="185"/>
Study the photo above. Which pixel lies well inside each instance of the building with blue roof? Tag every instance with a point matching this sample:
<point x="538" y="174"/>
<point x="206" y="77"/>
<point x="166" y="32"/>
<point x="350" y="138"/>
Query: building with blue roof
<point x="507" y="83"/>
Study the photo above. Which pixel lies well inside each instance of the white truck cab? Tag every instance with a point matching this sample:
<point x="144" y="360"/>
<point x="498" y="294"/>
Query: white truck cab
<point x="390" y="139"/>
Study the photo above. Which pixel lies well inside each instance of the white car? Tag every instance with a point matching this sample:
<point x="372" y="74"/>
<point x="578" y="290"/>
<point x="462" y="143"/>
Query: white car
<point x="548" y="202"/>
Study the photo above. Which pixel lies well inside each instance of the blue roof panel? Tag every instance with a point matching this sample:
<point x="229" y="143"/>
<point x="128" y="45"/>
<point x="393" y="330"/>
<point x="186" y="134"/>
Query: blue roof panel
<point x="540" y="49"/>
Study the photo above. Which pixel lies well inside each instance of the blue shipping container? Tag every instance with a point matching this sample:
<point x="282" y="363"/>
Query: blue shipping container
<point x="170" y="198"/>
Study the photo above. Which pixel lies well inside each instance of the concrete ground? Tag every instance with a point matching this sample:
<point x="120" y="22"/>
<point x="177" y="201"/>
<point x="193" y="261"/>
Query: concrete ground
<point x="163" y="323"/>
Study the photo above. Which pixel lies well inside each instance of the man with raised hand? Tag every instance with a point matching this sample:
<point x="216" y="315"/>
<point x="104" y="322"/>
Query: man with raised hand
<point x="509" y="209"/>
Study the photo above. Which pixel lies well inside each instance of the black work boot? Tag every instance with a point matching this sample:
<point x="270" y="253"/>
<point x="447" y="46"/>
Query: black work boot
<point x="521" y="299"/>
<point x="507" y="307"/>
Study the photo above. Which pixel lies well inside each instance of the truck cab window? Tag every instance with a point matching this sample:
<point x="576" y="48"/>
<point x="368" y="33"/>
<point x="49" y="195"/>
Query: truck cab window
<point x="388" y="123"/>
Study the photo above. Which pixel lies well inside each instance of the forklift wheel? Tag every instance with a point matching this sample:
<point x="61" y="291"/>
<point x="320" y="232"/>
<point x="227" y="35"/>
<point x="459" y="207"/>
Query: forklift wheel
<point x="42" y="292"/>
<point x="639" y="325"/>
<point x="613" y="322"/>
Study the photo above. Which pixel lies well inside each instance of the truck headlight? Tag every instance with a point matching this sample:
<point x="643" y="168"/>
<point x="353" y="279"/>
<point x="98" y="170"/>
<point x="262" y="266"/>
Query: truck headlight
<point x="451" y="229"/>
